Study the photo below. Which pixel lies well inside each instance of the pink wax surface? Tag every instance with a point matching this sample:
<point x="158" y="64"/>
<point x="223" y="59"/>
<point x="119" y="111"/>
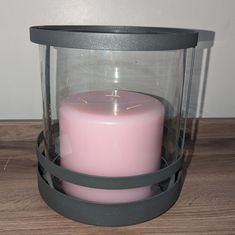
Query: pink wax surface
<point x="110" y="133"/>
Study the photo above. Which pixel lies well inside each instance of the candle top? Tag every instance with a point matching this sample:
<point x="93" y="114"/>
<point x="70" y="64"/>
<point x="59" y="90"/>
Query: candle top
<point x="108" y="105"/>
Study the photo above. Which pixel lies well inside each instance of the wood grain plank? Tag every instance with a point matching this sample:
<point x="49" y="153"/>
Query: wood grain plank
<point x="27" y="130"/>
<point x="212" y="127"/>
<point x="22" y="130"/>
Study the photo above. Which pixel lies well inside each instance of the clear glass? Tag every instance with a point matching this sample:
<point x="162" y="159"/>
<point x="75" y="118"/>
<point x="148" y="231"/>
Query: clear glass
<point x="161" y="75"/>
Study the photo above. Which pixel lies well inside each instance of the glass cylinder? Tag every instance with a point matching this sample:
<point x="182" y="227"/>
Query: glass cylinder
<point x="115" y="103"/>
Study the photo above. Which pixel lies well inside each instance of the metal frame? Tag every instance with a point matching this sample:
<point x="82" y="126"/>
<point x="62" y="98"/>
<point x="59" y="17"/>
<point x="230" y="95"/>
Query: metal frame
<point x="167" y="179"/>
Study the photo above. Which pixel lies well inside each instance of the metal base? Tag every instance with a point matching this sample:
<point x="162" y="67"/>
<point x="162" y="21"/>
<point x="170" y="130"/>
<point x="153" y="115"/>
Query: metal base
<point x="116" y="214"/>
<point x="119" y="214"/>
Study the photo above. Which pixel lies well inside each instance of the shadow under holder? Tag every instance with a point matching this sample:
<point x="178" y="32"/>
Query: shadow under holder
<point x="167" y="179"/>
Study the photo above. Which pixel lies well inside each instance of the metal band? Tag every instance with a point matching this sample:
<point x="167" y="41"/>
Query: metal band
<point x="118" y="214"/>
<point x="121" y="38"/>
<point x="106" y="182"/>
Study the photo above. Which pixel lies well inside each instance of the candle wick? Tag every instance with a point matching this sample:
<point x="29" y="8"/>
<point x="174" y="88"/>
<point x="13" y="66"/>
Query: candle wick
<point x="134" y="106"/>
<point x="114" y="96"/>
<point x="84" y="101"/>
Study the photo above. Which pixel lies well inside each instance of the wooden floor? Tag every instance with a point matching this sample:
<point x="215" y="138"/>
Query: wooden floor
<point x="205" y="206"/>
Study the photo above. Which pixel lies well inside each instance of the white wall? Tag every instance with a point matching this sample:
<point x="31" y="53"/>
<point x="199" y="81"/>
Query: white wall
<point x="20" y="95"/>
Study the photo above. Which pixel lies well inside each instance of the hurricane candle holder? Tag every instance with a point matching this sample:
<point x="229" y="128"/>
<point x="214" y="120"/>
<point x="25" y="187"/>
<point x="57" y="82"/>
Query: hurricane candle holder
<point x="115" y="101"/>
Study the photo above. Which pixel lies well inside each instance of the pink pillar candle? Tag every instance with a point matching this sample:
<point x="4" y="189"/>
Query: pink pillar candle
<point x="110" y="133"/>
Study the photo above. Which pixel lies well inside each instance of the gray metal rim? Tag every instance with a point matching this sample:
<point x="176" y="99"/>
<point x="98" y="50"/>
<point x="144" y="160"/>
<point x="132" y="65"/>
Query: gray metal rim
<point x="121" y="38"/>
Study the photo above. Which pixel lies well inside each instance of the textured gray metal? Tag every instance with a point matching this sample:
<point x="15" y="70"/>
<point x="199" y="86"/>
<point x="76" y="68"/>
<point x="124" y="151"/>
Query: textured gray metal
<point x="122" y="38"/>
<point x="116" y="214"/>
<point x="119" y="214"/>
<point x="106" y="182"/>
